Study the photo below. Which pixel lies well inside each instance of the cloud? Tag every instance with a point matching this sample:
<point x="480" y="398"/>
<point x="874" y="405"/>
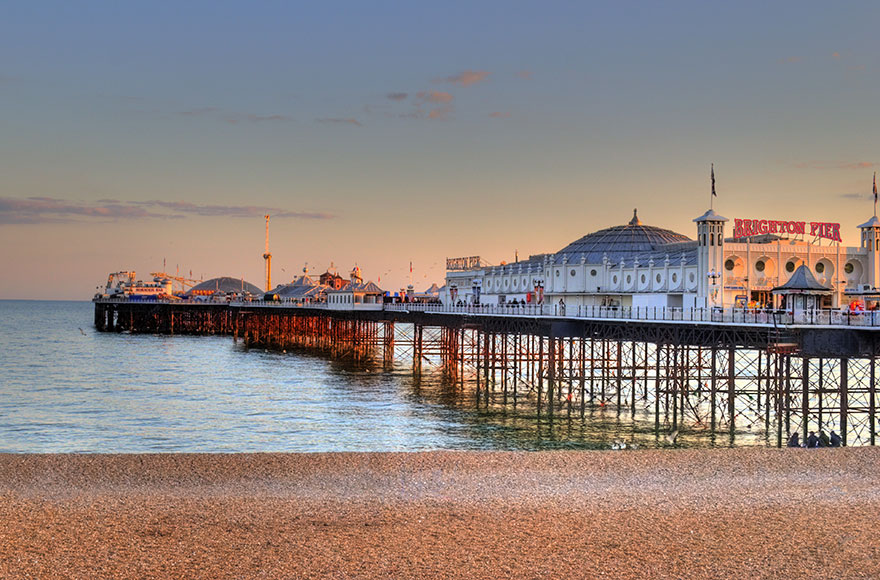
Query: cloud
<point x="35" y="210"/>
<point x="232" y="117"/>
<point x="397" y="96"/>
<point x="201" y="111"/>
<point x="440" y="113"/>
<point x="336" y="120"/>
<point x="434" y="97"/>
<point x="524" y="74"/>
<point x="499" y="115"/>
<point x="466" y="78"/>
<point x="790" y="60"/>
<point x="839" y="165"/>
<point x="835" y="55"/>
<point x="854" y="196"/>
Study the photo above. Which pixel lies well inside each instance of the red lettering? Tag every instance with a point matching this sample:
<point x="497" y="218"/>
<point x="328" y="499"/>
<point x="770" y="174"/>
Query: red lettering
<point x="773" y="226"/>
<point x="800" y="227"/>
<point x="835" y="232"/>
<point x="813" y="227"/>
<point x="737" y="228"/>
<point x="762" y="226"/>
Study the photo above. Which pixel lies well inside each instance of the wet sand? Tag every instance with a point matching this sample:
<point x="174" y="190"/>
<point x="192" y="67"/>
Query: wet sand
<point x="726" y="513"/>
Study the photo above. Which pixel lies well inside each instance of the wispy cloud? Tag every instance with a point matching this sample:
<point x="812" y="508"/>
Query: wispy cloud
<point x="440" y="113"/>
<point x="499" y="115"/>
<point x="466" y="78"/>
<point x="838" y="165"/>
<point x="341" y="121"/>
<point x="397" y="96"/>
<point x="231" y="117"/>
<point x="524" y="74"/>
<point x="854" y="196"/>
<point x="790" y="60"/>
<point x="434" y="97"/>
<point x="36" y="210"/>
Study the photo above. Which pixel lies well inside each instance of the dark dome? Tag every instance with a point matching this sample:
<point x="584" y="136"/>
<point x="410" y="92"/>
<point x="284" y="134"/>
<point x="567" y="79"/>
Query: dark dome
<point x="226" y="285"/>
<point x="619" y="243"/>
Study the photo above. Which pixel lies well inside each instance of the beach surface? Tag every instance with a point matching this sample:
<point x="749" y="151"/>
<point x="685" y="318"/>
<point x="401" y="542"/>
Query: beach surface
<point x="723" y="513"/>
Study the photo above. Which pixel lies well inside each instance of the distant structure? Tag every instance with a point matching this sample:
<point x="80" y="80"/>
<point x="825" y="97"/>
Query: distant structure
<point x="225" y="285"/>
<point x="346" y="294"/>
<point x="268" y="257"/>
<point x="332" y="279"/>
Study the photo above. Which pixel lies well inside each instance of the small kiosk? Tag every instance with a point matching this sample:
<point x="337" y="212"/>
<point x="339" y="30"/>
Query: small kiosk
<point x="802" y="292"/>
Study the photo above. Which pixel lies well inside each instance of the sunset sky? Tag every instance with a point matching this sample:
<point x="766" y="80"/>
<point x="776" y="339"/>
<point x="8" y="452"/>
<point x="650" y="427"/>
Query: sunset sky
<point x="380" y="133"/>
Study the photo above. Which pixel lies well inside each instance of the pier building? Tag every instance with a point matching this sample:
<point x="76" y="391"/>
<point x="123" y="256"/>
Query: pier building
<point x="636" y="265"/>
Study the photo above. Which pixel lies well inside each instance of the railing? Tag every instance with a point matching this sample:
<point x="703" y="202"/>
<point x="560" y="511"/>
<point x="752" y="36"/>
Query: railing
<point x="870" y="319"/>
<point x="660" y="314"/>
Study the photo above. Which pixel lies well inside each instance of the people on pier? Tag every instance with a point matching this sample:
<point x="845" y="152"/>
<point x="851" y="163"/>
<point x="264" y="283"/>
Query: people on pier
<point x="824" y="441"/>
<point x="794" y="440"/>
<point x="812" y="441"/>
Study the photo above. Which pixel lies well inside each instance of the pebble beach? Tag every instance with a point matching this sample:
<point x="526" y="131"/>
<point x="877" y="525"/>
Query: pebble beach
<point x="723" y="513"/>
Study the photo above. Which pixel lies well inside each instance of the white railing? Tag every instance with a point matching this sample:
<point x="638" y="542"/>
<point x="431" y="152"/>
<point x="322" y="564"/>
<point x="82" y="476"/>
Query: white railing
<point x="870" y="319"/>
<point x="659" y="313"/>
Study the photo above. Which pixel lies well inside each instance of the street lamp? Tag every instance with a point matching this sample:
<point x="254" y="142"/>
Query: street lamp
<point x="714" y="276"/>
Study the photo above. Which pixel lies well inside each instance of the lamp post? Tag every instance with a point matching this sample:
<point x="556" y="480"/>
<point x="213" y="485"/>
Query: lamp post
<point x="714" y="276"/>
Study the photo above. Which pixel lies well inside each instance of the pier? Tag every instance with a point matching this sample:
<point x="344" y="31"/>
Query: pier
<point x="724" y="372"/>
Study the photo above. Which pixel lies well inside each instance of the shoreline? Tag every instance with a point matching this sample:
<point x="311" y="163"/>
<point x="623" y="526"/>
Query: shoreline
<point x="684" y="513"/>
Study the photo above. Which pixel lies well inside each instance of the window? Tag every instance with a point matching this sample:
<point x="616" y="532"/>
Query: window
<point x="848" y="268"/>
<point x="691" y="277"/>
<point x="820" y="267"/>
<point x="728" y="265"/>
<point x="629" y="279"/>
<point x="789" y="267"/>
<point x="643" y="278"/>
<point x="674" y="278"/>
<point x="614" y="279"/>
<point x="759" y="265"/>
<point x="557" y="273"/>
<point x="592" y="272"/>
<point x="572" y="273"/>
<point x="658" y="278"/>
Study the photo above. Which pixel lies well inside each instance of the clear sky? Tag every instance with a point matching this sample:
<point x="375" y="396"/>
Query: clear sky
<point x="380" y="133"/>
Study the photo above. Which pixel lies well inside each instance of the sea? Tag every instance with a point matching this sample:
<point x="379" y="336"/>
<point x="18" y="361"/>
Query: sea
<point x="66" y="388"/>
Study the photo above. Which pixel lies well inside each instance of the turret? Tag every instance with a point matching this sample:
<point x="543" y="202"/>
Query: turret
<point x="710" y="259"/>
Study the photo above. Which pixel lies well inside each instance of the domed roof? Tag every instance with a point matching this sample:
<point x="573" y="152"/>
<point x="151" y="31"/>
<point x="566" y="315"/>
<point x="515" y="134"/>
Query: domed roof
<point x="226" y="285"/>
<point x="619" y="243"/>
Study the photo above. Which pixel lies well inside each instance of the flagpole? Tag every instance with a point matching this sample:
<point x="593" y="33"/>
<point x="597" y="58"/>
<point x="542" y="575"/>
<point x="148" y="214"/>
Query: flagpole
<point x="875" y="194"/>
<point x="714" y="195"/>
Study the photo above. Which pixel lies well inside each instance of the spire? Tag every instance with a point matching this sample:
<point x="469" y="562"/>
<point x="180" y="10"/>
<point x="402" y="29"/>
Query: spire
<point x="635" y="221"/>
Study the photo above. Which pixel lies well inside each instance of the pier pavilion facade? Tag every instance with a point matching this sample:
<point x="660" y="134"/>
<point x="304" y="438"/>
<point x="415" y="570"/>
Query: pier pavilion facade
<point x="638" y="265"/>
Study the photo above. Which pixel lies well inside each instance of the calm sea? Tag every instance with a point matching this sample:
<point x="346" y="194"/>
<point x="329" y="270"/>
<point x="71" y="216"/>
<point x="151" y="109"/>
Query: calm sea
<point x="66" y="388"/>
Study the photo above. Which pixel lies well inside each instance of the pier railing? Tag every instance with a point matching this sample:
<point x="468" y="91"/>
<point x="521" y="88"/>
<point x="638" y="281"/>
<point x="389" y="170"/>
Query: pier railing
<point x="823" y="317"/>
<point x="660" y="314"/>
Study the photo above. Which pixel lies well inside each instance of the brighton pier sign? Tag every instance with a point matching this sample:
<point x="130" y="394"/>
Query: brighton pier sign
<point x="744" y="228"/>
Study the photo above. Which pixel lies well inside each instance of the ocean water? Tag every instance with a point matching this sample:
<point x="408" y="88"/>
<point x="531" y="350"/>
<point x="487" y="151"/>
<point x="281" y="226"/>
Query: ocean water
<point x="65" y="387"/>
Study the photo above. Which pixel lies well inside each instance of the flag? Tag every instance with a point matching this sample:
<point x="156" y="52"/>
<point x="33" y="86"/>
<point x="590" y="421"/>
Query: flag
<point x="410" y="267"/>
<point x="713" y="181"/>
<point x="875" y="187"/>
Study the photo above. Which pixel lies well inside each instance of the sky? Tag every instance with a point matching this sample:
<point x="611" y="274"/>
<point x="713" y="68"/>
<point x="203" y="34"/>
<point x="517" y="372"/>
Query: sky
<point x="134" y="134"/>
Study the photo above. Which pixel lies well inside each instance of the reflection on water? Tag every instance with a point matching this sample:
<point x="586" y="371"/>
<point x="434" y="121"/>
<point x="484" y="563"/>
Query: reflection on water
<point x="66" y="388"/>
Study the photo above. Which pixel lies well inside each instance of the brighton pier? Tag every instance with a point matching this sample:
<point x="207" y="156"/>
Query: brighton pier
<point x="730" y="337"/>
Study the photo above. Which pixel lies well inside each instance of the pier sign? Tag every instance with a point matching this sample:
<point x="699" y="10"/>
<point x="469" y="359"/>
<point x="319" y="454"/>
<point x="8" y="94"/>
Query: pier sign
<point x="469" y="263"/>
<point x="743" y="228"/>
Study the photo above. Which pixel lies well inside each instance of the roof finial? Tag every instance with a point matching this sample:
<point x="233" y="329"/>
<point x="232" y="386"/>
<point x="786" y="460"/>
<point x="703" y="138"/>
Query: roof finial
<point x="635" y="221"/>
